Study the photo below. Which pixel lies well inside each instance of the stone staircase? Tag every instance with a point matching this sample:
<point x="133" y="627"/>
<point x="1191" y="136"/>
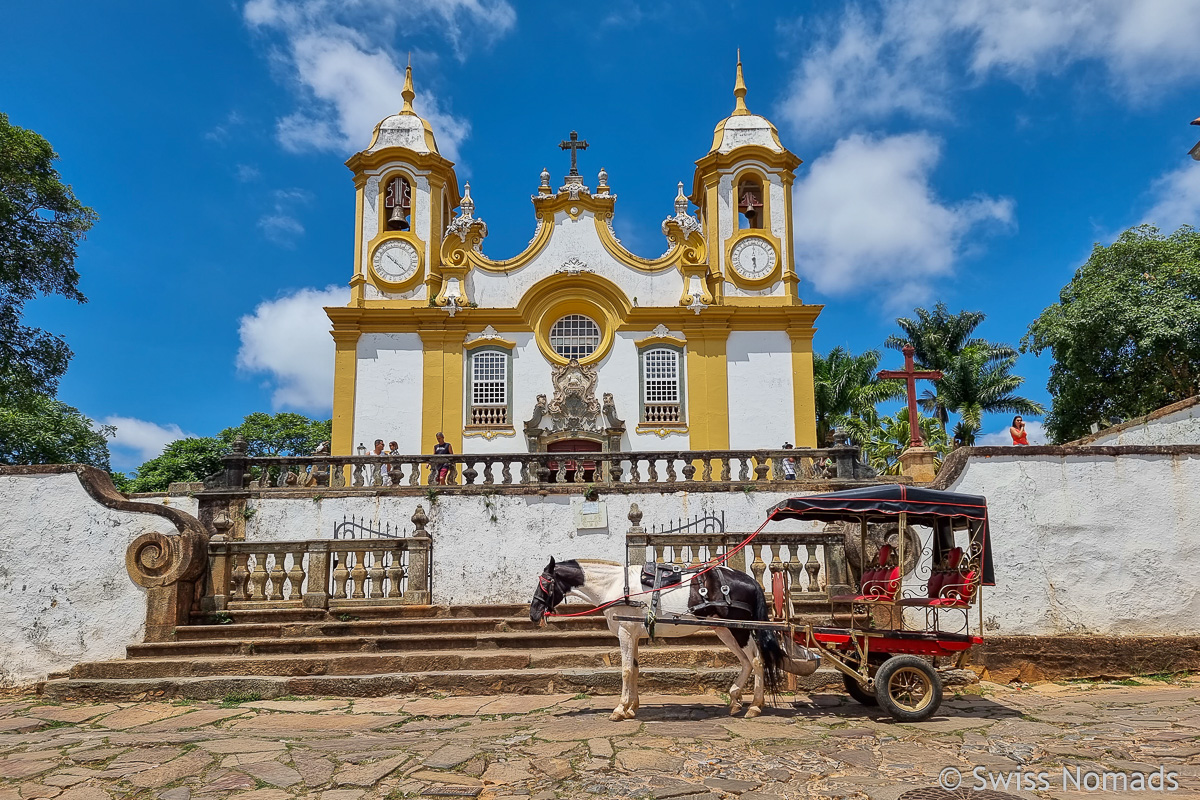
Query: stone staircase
<point x="491" y="649"/>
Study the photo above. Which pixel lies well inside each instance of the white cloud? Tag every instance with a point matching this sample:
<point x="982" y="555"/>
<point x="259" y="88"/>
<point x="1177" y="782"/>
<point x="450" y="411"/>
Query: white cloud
<point x="288" y="339"/>
<point x="907" y="56"/>
<point x="867" y="216"/>
<point x="349" y="72"/>
<point x="1176" y="199"/>
<point x="1035" y="430"/>
<point x="137" y="441"/>
<point x="279" y="225"/>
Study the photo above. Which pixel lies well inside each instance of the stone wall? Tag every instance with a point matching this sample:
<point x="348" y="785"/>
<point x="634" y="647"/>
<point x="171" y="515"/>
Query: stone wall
<point x="65" y="593"/>
<point x="1178" y="423"/>
<point x="1088" y="540"/>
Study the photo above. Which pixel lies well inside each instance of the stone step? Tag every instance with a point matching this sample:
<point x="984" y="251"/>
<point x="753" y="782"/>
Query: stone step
<point x="600" y="681"/>
<point x="284" y="615"/>
<point x="429" y="659"/>
<point x="378" y="627"/>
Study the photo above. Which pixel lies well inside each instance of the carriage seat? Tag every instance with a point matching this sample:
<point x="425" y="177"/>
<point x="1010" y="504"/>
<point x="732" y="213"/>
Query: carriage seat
<point x="657" y="576"/>
<point x="952" y="586"/>
<point x="880" y="582"/>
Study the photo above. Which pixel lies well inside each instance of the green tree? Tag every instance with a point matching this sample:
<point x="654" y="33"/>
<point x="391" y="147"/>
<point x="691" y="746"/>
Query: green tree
<point x="937" y="338"/>
<point x="1125" y="332"/>
<point x="979" y="381"/>
<point x="181" y="461"/>
<point x="41" y="225"/>
<point x="283" y="434"/>
<point x="42" y="430"/>
<point x="883" y="439"/>
<point x="845" y="387"/>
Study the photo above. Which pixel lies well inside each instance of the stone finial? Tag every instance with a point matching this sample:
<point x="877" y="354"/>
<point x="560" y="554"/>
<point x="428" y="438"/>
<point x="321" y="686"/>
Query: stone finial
<point x="545" y="178"/>
<point x="602" y="179"/>
<point x="635" y="515"/>
<point x="238" y="446"/>
<point x="467" y="204"/>
<point x="419" y="519"/>
<point x="681" y="201"/>
<point x="840" y="437"/>
<point x="221" y="524"/>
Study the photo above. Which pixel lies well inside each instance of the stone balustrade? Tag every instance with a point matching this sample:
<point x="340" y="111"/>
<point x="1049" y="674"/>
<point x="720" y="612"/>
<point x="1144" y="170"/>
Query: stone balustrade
<point x="722" y="469"/>
<point x="320" y="574"/>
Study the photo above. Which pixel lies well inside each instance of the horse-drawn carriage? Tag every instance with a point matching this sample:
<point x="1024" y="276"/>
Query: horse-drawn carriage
<point x="897" y="638"/>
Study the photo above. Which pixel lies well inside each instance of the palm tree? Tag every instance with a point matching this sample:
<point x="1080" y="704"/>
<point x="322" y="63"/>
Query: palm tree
<point x="846" y="388"/>
<point x="939" y="338"/>
<point x="883" y="439"/>
<point x="978" y="382"/>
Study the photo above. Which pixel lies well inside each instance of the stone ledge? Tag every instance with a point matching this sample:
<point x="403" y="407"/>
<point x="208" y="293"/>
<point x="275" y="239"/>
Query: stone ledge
<point x="1002" y="659"/>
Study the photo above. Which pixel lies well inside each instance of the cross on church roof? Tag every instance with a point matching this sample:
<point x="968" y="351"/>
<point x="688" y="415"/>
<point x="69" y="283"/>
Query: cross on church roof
<point x="574" y="145"/>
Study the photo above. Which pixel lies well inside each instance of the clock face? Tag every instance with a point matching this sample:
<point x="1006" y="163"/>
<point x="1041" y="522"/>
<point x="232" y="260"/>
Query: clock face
<point x="753" y="258"/>
<point x="395" y="261"/>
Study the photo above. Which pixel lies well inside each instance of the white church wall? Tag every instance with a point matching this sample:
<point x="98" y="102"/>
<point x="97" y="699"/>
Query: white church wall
<point x="759" y="371"/>
<point x="575" y="239"/>
<point x="387" y="398"/>
<point x="65" y="596"/>
<point x="1181" y="426"/>
<point x="1087" y="543"/>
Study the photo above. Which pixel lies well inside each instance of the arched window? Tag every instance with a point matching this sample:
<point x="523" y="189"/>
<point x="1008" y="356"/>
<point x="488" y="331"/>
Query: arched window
<point x="575" y="336"/>
<point x="488" y="391"/>
<point x="397" y="204"/>
<point x="661" y="394"/>
<point x="750" y="203"/>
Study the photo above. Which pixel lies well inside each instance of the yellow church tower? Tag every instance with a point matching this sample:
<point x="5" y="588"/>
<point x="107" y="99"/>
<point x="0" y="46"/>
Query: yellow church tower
<point x="575" y="344"/>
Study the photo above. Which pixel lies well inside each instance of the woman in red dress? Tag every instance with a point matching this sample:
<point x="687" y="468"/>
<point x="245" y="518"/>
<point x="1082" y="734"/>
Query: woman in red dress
<point x="1017" y="431"/>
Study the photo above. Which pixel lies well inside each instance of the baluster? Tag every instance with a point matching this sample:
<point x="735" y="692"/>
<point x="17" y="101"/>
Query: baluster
<point x="506" y="473"/>
<point x="358" y="574"/>
<point x="237" y="579"/>
<point x="395" y="573"/>
<point x="414" y="477"/>
<point x="340" y="575"/>
<point x="758" y="566"/>
<point x="652" y="470"/>
<point x="760" y="469"/>
<point x="670" y="470"/>
<point x="295" y="575"/>
<point x="395" y="473"/>
<point x="615" y="471"/>
<point x="724" y="468"/>
<point x="706" y="473"/>
<point x="277" y="576"/>
<point x="813" y="568"/>
<point x="488" y="480"/>
<point x="689" y="471"/>
<point x="561" y="475"/>
<point x="694" y="552"/>
<point x="358" y="474"/>
<point x="743" y="469"/>
<point x="470" y="473"/>
<point x="659" y="553"/>
<point x="794" y="567"/>
<point x="258" y="578"/>
<point x="337" y="475"/>
<point x="579" y="470"/>
<point x="375" y="574"/>
<point x="634" y="477"/>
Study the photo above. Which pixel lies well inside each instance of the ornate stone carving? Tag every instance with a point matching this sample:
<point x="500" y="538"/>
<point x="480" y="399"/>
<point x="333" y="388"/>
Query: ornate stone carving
<point x="465" y="223"/>
<point x="697" y="305"/>
<point x="660" y="330"/>
<point x="573" y="266"/>
<point x="686" y="222"/>
<point x="574" y="408"/>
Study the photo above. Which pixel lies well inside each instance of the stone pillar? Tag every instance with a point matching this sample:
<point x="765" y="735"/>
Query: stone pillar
<point x="919" y="463"/>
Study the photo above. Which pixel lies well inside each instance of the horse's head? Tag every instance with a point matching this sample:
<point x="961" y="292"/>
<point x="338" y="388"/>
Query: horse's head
<point x="546" y="597"/>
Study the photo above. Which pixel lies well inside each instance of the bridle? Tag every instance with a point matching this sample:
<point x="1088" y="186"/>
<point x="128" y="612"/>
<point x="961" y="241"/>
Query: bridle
<point x="545" y="582"/>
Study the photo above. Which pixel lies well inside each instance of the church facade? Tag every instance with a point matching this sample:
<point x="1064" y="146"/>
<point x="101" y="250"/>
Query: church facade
<point x="575" y="344"/>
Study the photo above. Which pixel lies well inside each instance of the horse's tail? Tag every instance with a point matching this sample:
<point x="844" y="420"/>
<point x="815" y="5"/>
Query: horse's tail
<point x="771" y="652"/>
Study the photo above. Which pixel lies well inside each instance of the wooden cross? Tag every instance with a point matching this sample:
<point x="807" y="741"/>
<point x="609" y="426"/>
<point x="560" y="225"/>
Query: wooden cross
<point x="911" y="376"/>
<point x="574" y="145"/>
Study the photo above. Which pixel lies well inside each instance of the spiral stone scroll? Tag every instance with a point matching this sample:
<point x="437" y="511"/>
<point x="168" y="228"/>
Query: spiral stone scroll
<point x="157" y="559"/>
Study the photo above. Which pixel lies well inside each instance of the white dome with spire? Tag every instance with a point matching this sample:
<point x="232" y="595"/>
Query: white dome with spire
<point x="743" y="128"/>
<point x="405" y="129"/>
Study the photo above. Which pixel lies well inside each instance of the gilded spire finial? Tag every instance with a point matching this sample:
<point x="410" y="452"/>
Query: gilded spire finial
<point x="739" y="90"/>
<point x="408" y="94"/>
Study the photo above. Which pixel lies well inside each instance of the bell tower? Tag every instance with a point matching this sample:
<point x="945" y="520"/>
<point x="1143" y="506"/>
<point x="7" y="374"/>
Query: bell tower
<point x="743" y="189"/>
<point x="406" y="193"/>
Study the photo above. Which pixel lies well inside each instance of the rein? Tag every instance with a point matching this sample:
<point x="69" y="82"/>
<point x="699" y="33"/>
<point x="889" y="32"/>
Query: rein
<point x="707" y="566"/>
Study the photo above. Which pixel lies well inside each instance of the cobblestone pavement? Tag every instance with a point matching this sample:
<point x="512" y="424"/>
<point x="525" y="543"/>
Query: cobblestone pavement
<point x="542" y="747"/>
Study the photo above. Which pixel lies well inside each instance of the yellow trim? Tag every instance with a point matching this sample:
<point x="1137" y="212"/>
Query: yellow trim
<point x="457" y="252"/>
<point x="554" y="297"/>
<point x="735" y="277"/>
<point x="804" y="401"/>
<point x="477" y="432"/>
<point x="708" y="389"/>
<point x="441" y="388"/>
<point x="345" y="377"/>
<point x="664" y="430"/>
<point x="482" y="341"/>
<point x="651" y="341"/>
<point x="358" y="279"/>
<point x="683" y="251"/>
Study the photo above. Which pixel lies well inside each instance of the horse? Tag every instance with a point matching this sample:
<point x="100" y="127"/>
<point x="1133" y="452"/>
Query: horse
<point x="599" y="582"/>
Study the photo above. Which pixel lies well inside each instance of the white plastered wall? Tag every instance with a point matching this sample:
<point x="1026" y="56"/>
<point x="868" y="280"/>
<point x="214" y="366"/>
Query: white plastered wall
<point x="759" y="372"/>
<point x="1091" y="544"/>
<point x="388" y="390"/>
<point x="65" y="596"/>
<point x="1179" y="427"/>
<point x="575" y="239"/>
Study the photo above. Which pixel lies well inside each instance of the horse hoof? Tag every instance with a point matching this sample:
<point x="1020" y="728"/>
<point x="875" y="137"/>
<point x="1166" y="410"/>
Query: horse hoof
<point x="734" y="709"/>
<point x="753" y="712"/>
<point x="617" y="716"/>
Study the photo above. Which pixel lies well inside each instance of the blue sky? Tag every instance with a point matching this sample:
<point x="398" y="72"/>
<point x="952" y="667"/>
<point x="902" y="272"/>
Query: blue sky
<point x="969" y="152"/>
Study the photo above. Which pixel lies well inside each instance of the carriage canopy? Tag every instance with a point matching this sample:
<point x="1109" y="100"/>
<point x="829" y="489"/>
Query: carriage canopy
<point x="942" y="511"/>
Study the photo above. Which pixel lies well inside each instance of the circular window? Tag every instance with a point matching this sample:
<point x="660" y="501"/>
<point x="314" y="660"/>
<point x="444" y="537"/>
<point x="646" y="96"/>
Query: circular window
<point x="575" y="336"/>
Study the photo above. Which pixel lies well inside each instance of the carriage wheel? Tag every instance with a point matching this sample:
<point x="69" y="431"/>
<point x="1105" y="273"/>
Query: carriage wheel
<point x="858" y="691"/>
<point x="908" y="688"/>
